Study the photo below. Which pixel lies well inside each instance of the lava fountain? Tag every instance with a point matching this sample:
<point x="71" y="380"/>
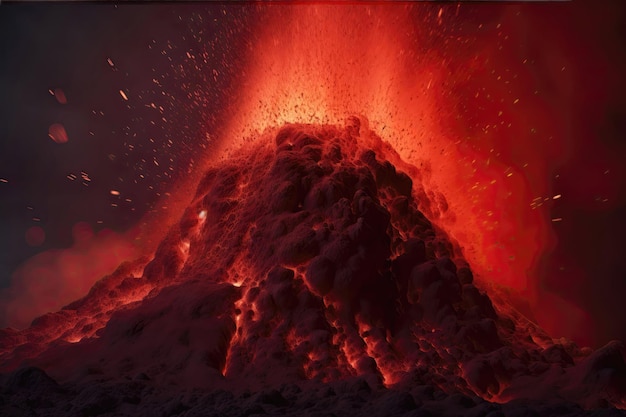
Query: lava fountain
<point x="324" y="62"/>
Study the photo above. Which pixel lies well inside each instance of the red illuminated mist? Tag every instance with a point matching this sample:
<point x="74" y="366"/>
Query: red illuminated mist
<point x="54" y="278"/>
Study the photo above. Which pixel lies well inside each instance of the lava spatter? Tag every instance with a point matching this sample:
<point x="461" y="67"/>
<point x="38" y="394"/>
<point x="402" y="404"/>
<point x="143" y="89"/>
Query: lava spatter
<point x="305" y="259"/>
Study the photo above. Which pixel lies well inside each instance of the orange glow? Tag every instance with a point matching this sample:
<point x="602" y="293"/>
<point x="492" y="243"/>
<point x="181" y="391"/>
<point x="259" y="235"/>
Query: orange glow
<point x="54" y="278"/>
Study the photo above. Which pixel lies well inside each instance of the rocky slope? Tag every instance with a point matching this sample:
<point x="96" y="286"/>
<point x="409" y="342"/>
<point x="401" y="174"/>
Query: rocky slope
<point x="303" y="279"/>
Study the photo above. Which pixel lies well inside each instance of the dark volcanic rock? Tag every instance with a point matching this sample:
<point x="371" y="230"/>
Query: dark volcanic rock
<point x="302" y="279"/>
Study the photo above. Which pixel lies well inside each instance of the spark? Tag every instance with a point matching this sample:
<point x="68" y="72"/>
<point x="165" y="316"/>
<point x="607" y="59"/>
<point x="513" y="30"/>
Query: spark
<point x="123" y="94"/>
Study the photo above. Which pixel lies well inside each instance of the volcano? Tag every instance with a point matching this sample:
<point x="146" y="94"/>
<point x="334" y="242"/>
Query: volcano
<point x="304" y="278"/>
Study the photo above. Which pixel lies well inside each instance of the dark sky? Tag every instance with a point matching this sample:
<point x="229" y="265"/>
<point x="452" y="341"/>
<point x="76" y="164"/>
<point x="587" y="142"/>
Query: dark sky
<point x="592" y="175"/>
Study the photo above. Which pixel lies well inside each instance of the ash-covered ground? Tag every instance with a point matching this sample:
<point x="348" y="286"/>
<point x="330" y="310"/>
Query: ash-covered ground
<point x="304" y="278"/>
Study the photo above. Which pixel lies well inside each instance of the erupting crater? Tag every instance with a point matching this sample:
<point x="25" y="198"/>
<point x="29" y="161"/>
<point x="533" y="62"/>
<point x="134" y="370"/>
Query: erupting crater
<point x="304" y="276"/>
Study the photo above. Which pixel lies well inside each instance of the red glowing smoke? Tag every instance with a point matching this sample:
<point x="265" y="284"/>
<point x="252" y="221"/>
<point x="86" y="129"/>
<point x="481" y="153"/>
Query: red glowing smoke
<point x="54" y="278"/>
